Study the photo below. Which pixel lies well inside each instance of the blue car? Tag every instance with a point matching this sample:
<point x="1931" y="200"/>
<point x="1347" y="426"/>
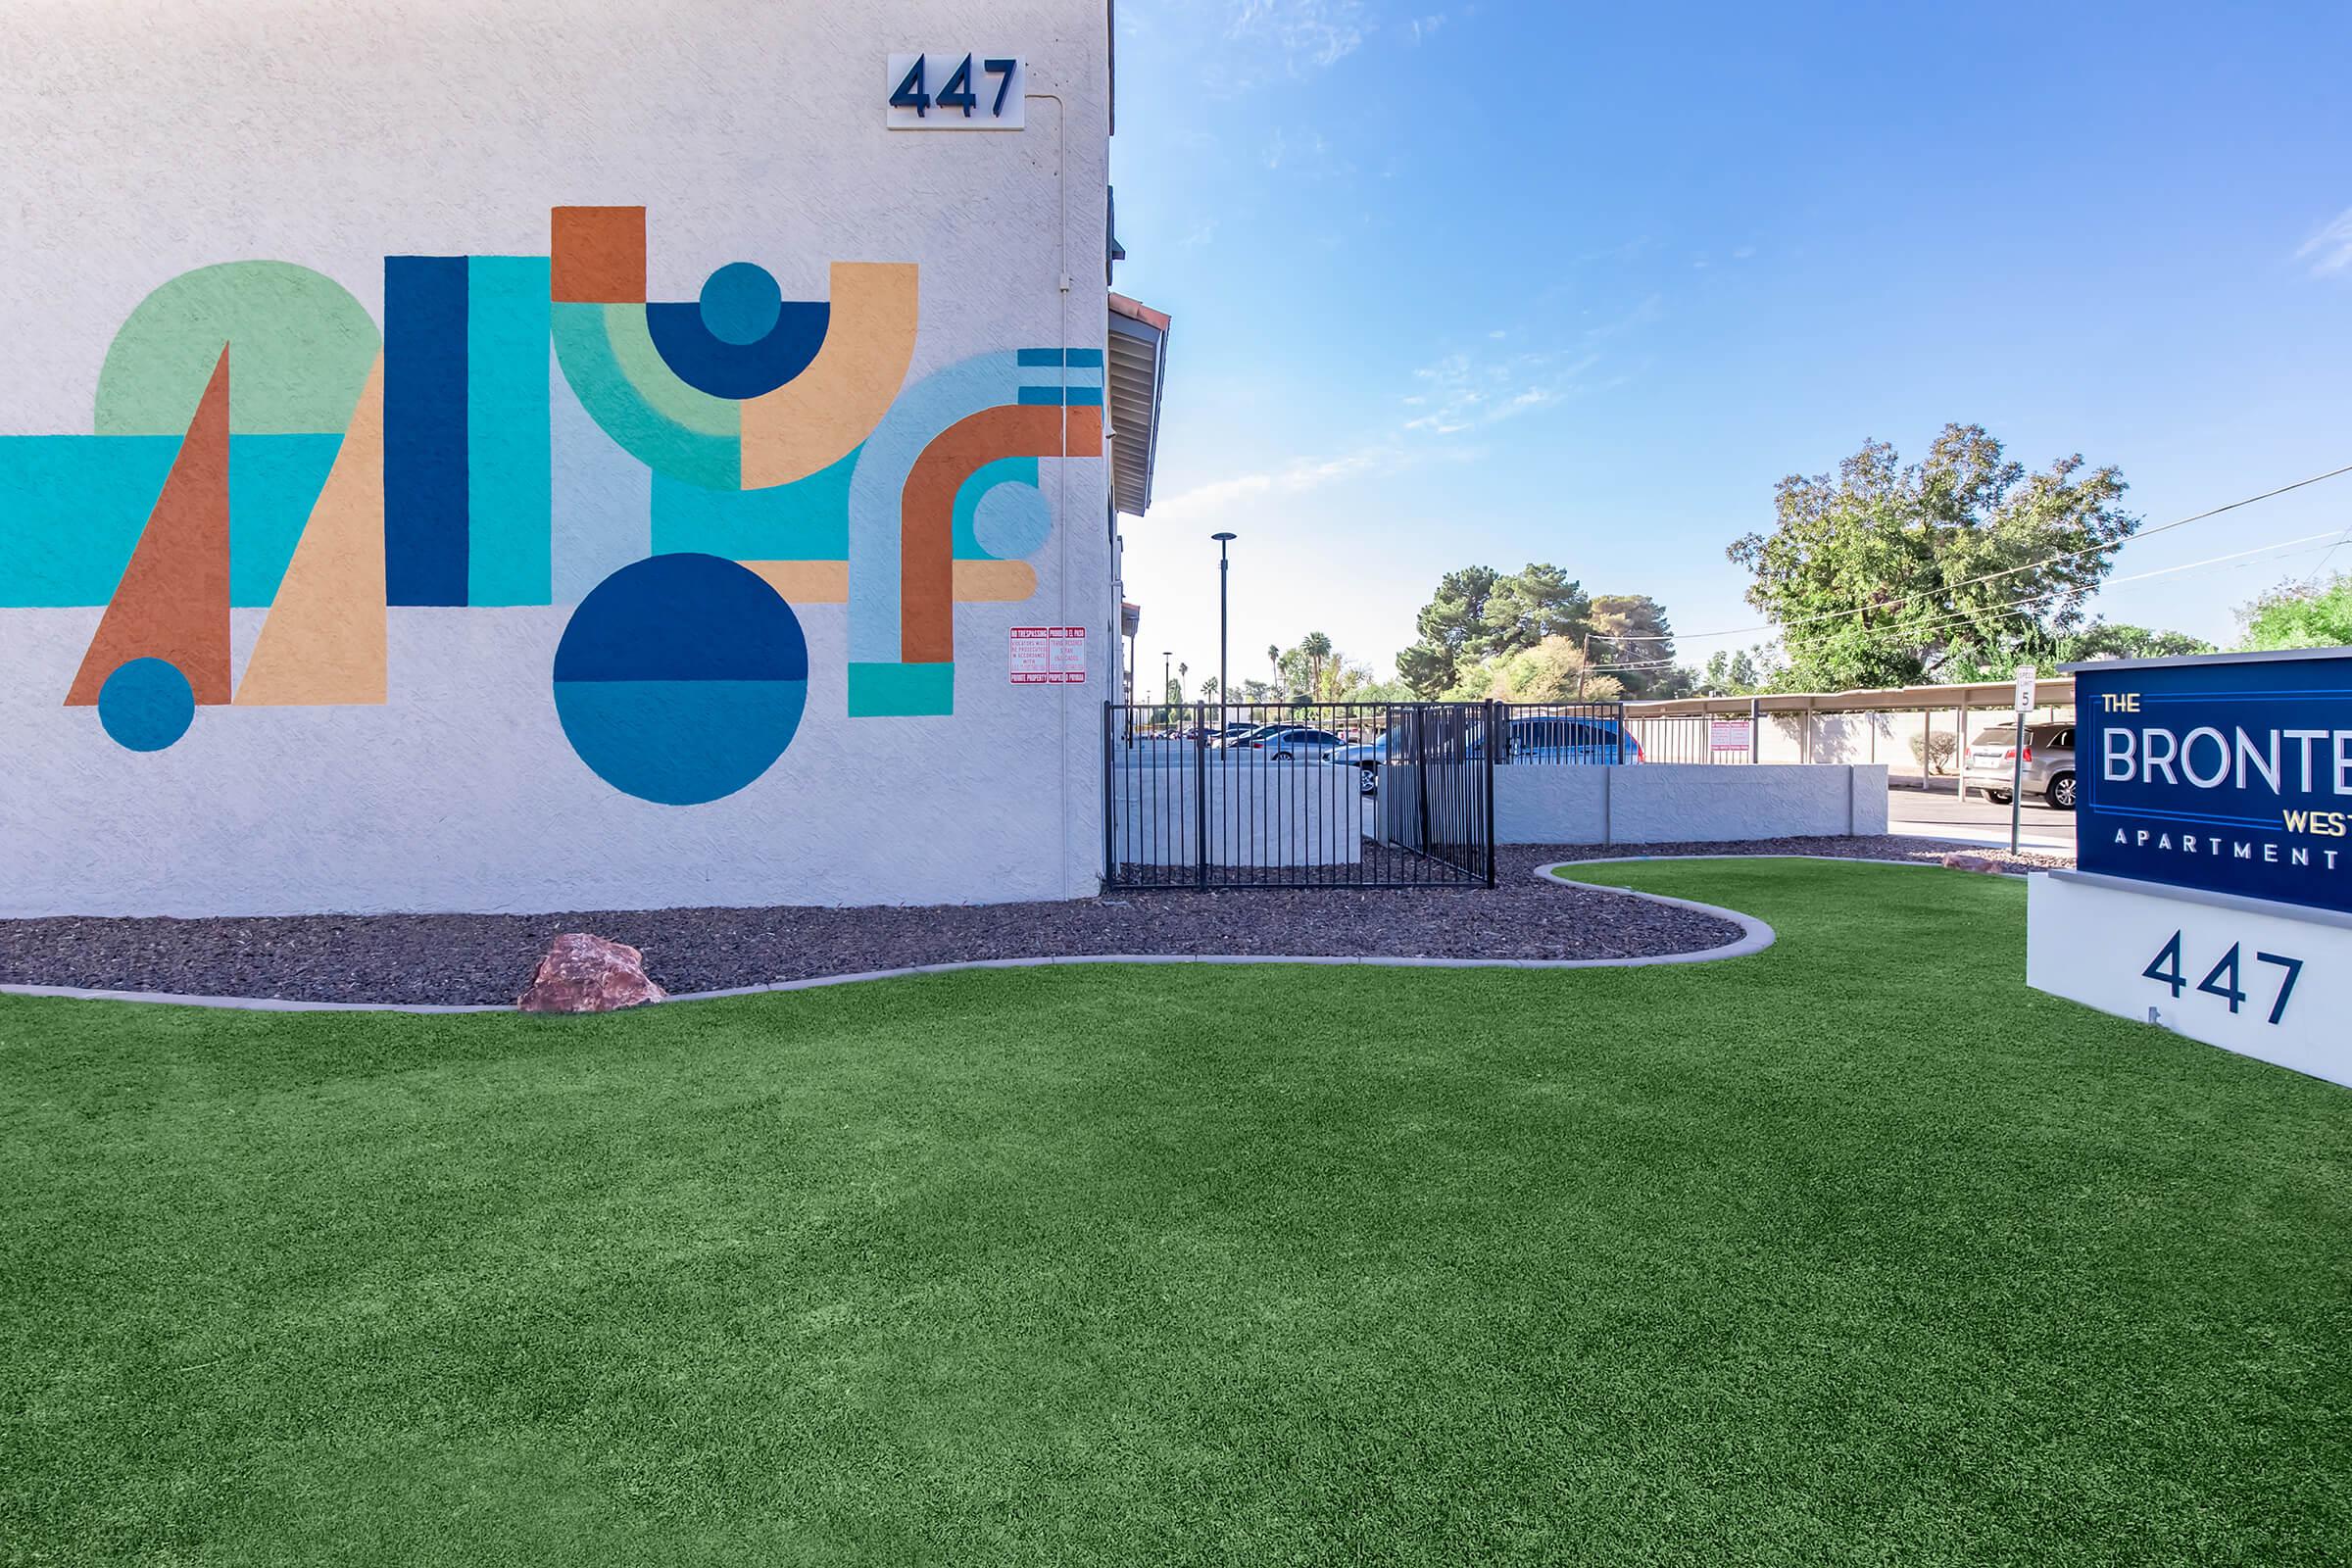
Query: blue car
<point x="1548" y="738"/>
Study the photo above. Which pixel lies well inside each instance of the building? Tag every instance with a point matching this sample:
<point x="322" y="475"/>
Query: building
<point x="532" y="457"/>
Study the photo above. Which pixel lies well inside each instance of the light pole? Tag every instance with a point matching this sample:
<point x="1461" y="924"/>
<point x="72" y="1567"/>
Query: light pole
<point x="1224" y="573"/>
<point x="1166" y="678"/>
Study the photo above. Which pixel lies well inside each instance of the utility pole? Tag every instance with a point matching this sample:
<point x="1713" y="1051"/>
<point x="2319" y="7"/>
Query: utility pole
<point x="1224" y="574"/>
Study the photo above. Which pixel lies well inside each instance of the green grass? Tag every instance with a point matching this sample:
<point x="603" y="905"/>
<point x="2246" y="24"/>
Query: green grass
<point x="1853" y="1251"/>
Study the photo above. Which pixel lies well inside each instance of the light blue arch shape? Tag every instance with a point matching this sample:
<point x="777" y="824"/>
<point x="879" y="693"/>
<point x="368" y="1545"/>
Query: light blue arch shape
<point x="922" y="412"/>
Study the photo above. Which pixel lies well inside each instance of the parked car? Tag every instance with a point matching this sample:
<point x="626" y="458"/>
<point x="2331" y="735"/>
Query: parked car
<point x="2050" y="762"/>
<point x="1546" y="738"/>
<point x="1367" y="756"/>
<point x="1288" y="743"/>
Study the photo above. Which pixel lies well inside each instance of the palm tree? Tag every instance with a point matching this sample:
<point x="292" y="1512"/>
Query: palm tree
<point x="1317" y="647"/>
<point x="1181" y="668"/>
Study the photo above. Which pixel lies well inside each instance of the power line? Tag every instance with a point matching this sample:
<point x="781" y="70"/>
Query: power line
<point x="1990" y="576"/>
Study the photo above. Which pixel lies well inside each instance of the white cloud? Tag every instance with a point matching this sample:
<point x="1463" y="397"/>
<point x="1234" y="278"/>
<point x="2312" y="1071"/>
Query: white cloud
<point x="1463" y="391"/>
<point x="1311" y="34"/>
<point x="2330" y="251"/>
<point x="1427" y="26"/>
<point x="1306" y="154"/>
<point x="1377" y="458"/>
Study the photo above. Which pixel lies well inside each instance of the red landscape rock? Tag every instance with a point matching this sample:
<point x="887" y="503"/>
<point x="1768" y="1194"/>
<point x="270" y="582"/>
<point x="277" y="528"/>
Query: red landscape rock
<point x="1963" y="861"/>
<point x="582" y="973"/>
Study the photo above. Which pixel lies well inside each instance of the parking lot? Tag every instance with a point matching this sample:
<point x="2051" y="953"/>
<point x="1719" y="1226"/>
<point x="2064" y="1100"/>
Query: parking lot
<point x="1940" y="814"/>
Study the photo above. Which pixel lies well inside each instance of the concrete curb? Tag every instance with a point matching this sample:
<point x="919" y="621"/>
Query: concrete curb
<point x="1755" y="936"/>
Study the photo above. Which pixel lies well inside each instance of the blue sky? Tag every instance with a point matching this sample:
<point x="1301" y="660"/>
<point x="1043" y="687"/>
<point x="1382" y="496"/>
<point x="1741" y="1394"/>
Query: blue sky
<point x="1501" y="281"/>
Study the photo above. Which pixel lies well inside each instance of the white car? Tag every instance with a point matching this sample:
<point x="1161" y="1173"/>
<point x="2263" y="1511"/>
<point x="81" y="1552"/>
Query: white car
<point x="1286" y="743"/>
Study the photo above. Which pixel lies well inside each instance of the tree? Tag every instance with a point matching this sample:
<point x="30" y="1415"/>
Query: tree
<point x="2111" y="640"/>
<point x="1209" y="689"/>
<point x="1892" y="576"/>
<point x="1479" y="614"/>
<point x="1731" y="673"/>
<point x="1554" y="671"/>
<point x="1630" y="631"/>
<point x="1452" y="628"/>
<point x="2300" y="614"/>
<point x="1531" y="604"/>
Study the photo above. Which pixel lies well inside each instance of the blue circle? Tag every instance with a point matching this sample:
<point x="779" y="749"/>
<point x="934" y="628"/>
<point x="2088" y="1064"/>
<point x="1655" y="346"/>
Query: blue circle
<point x="146" y="705"/>
<point x="1012" y="519"/>
<point x="681" y="678"/>
<point x="741" y="303"/>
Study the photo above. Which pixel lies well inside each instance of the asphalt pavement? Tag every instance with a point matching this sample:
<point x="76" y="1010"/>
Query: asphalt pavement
<point x="1939" y="815"/>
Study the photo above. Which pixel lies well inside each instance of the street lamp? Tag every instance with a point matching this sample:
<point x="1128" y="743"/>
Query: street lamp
<point x="1224" y="573"/>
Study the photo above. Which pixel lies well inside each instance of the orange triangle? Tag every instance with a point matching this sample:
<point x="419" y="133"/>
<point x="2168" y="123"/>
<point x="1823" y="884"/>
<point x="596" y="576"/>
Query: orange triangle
<point x="173" y="601"/>
<point x="325" y="640"/>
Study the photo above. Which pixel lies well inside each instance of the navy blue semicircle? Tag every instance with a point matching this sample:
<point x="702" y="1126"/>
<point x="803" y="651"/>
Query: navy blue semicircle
<point x="681" y="617"/>
<point x="738" y="369"/>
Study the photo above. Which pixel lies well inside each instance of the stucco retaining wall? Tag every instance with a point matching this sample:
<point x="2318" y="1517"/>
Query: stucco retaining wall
<point x="1666" y="802"/>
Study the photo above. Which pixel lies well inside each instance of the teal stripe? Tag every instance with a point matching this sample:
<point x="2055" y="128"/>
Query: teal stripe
<point x="508" y="485"/>
<point x="72" y="507"/>
<point x="807" y="519"/>
<point x="1052" y="395"/>
<point x="1074" y="357"/>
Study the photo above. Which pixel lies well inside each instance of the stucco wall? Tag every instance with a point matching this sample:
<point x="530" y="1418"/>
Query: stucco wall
<point x="1663" y="803"/>
<point x="141" y="144"/>
<point x="1293" y="816"/>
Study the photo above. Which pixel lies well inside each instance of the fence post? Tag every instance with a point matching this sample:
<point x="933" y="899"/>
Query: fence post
<point x="1110" y="753"/>
<point x="1201" y="790"/>
<point x="1490" y="792"/>
<point x="1756" y="721"/>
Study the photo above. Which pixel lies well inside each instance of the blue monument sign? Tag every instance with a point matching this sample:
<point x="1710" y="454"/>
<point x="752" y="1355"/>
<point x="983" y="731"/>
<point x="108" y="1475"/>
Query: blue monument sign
<point x="2230" y="773"/>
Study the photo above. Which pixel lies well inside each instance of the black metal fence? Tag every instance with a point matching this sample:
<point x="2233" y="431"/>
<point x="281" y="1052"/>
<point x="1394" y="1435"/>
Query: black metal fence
<point x="1293" y="795"/>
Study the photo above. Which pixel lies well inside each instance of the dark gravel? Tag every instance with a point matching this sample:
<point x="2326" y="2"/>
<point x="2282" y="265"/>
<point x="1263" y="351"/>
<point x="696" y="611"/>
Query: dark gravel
<point x="462" y="959"/>
<point x="458" y="958"/>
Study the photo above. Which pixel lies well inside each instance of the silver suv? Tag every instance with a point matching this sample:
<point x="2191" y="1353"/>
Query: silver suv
<point x="2050" y="762"/>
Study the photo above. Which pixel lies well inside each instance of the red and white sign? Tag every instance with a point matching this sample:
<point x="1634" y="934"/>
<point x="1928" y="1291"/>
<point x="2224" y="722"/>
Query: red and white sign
<point x="1727" y="735"/>
<point x="1049" y="656"/>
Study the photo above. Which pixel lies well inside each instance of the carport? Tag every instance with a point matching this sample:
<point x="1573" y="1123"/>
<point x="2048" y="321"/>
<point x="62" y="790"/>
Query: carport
<point x="1898" y="725"/>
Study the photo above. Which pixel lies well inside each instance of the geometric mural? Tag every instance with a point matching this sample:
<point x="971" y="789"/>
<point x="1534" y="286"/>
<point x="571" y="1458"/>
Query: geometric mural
<point x="172" y="606"/>
<point x="681" y="678"/>
<point x="324" y="641"/>
<point x="685" y="470"/>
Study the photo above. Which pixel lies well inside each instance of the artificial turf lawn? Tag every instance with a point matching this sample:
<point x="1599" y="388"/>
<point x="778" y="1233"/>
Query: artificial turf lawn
<point x="1853" y="1251"/>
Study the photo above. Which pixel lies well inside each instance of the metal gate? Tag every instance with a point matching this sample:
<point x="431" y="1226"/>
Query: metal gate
<point x="1298" y="795"/>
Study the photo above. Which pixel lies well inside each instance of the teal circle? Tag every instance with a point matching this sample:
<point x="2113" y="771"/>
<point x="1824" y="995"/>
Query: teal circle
<point x="146" y="705"/>
<point x="1012" y="521"/>
<point x="741" y="302"/>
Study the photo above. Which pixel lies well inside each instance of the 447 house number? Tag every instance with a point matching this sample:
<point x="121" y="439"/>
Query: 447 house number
<point x="2226" y="979"/>
<point x="955" y="89"/>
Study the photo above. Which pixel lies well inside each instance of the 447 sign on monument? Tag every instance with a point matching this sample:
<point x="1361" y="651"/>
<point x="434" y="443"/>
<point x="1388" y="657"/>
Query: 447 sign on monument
<point x="2213" y="845"/>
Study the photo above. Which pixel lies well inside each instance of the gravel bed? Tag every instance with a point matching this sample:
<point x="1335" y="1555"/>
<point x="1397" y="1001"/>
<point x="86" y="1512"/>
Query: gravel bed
<point x="461" y="958"/>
